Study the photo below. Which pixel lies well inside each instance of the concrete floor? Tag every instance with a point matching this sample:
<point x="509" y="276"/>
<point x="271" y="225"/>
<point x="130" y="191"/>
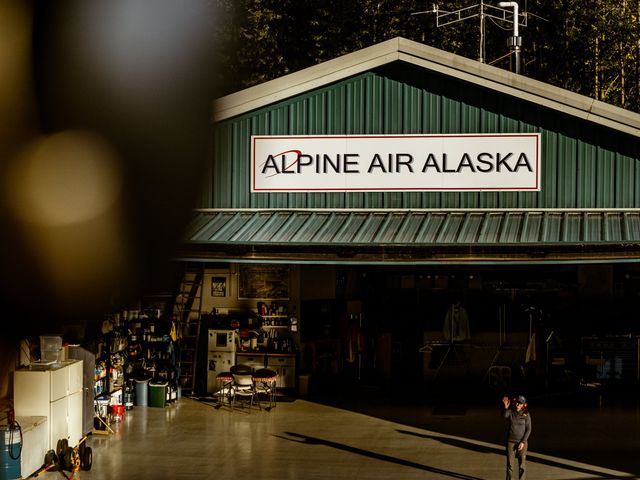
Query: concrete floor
<point x="367" y="436"/>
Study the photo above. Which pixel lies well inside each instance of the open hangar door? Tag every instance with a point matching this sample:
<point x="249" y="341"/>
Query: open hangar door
<point x="503" y="326"/>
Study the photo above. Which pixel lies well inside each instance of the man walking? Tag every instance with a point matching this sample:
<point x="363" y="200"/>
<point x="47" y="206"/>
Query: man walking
<point x="517" y="436"/>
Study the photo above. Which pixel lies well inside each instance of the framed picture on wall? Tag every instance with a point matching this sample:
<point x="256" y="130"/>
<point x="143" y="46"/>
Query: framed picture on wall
<point x="219" y="286"/>
<point x="270" y="282"/>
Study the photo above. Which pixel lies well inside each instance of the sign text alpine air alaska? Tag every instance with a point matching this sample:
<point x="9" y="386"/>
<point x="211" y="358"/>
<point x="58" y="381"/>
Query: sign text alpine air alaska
<point x="379" y="163"/>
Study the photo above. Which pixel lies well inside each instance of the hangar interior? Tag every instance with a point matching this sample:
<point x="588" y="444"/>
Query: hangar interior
<point x="527" y="327"/>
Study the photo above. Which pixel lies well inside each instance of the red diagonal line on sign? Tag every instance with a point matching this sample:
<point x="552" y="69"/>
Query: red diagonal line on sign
<point x="297" y="152"/>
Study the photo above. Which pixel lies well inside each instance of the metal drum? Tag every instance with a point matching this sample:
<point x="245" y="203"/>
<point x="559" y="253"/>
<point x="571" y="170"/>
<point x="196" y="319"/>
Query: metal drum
<point x="10" y="450"/>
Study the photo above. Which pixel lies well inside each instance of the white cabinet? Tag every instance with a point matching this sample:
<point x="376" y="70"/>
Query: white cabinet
<point x="35" y="443"/>
<point x="55" y="394"/>
<point x="285" y="366"/>
<point x="255" y="361"/>
<point x="75" y="417"/>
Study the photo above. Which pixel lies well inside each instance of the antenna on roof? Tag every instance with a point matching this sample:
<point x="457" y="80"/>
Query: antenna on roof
<point x="514" y="42"/>
<point x="483" y="11"/>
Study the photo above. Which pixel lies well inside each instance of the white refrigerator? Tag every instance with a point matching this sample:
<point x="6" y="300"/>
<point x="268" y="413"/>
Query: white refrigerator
<point x="218" y="362"/>
<point x="221" y="355"/>
<point x="56" y="394"/>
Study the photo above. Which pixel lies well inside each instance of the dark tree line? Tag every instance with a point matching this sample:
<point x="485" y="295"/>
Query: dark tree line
<point x="591" y="47"/>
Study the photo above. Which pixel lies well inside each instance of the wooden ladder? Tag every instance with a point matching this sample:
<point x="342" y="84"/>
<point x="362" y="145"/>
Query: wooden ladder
<point x="187" y="311"/>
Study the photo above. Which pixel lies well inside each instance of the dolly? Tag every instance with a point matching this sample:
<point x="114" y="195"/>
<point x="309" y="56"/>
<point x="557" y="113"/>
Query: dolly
<point x="68" y="458"/>
<point x="50" y="463"/>
<point x="74" y="458"/>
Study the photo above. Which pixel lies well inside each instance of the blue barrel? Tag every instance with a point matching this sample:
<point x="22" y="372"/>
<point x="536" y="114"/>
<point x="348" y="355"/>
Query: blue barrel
<point x="10" y="450"/>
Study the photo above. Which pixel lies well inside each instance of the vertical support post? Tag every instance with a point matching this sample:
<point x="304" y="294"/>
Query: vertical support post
<point x="481" y="48"/>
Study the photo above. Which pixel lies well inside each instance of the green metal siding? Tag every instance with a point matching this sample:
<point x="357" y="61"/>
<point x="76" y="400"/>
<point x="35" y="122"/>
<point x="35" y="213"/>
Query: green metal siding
<point x="583" y="165"/>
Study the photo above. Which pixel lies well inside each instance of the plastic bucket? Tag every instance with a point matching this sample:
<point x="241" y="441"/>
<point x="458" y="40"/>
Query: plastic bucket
<point x="142" y="392"/>
<point x="157" y="394"/>
<point x="10" y="450"/>
<point x="50" y="346"/>
<point x="117" y="412"/>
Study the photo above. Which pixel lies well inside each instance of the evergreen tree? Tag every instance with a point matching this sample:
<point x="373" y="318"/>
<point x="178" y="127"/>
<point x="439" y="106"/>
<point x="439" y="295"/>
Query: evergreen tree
<point x="591" y="47"/>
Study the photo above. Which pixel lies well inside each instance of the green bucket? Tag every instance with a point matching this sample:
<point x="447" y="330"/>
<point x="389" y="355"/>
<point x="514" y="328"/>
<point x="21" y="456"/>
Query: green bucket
<point x="158" y="394"/>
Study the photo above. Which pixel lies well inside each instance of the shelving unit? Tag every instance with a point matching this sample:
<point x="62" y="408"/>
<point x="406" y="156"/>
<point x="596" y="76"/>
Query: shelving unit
<point x="110" y="364"/>
<point x="275" y="320"/>
<point x="279" y="351"/>
<point x="109" y="372"/>
<point x="278" y="328"/>
<point x="151" y="352"/>
<point x="612" y="358"/>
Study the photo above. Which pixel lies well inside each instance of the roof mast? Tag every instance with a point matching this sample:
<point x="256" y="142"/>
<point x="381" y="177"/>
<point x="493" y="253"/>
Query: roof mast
<point x="514" y="42"/>
<point x="483" y="11"/>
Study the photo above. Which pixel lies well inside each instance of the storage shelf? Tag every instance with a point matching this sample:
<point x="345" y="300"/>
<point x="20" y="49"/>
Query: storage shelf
<point x="106" y="395"/>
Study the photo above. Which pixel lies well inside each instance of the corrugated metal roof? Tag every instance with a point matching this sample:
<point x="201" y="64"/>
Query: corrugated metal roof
<point x="379" y="227"/>
<point x="415" y="234"/>
<point x="401" y="49"/>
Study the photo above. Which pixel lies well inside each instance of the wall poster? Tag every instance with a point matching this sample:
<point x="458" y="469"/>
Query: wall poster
<point x="218" y="286"/>
<point x="269" y="282"/>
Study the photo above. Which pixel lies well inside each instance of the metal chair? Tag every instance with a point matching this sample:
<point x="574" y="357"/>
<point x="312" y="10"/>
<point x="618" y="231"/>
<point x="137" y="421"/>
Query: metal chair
<point x="243" y="386"/>
<point x="241" y="369"/>
<point x="225" y="386"/>
<point x="265" y="380"/>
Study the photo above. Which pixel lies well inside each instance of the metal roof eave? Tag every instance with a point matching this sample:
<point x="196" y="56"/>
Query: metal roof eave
<point x="257" y="256"/>
<point x="433" y="59"/>
<point x="415" y="236"/>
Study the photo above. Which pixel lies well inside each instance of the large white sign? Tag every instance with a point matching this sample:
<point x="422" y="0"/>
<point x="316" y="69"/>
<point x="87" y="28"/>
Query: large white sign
<point x="384" y="163"/>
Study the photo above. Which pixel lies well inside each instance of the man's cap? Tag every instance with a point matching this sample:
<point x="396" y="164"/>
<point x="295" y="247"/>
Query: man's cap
<point x="521" y="399"/>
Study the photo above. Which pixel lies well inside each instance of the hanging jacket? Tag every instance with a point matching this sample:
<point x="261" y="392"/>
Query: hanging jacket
<point x="456" y="324"/>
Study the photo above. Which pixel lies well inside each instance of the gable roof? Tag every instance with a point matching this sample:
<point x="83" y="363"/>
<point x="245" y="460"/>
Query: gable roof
<point x="401" y="49"/>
